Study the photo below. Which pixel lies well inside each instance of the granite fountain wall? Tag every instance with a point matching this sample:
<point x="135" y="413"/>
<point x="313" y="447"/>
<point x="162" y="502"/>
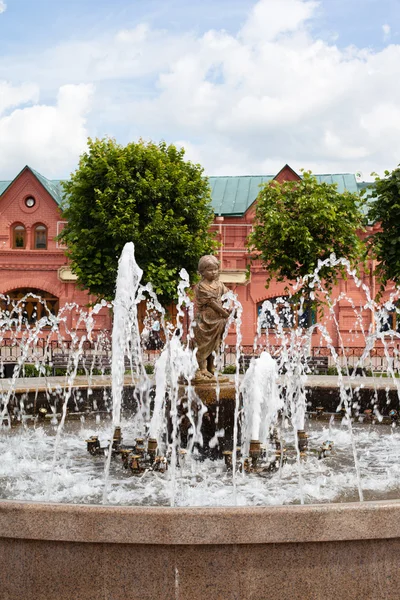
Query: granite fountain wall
<point x="346" y="551"/>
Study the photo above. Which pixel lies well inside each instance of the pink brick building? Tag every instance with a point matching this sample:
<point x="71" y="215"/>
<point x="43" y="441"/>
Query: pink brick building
<point x="234" y="201"/>
<point x="31" y="260"/>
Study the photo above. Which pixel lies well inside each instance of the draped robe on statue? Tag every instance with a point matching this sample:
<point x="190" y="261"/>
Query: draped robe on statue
<point x="209" y="324"/>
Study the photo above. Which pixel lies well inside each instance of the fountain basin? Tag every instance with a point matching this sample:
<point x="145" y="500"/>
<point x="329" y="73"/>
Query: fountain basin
<point x="328" y="551"/>
<point x="321" y="391"/>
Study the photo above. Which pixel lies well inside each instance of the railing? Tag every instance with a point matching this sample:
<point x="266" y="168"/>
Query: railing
<point x="378" y="359"/>
<point x="97" y="353"/>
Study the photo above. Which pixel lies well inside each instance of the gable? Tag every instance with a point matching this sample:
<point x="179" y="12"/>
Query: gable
<point x="286" y="174"/>
<point x="53" y="187"/>
<point x="12" y="202"/>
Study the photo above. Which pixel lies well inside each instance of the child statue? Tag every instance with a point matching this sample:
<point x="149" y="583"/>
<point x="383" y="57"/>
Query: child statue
<point x="210" y="316"/>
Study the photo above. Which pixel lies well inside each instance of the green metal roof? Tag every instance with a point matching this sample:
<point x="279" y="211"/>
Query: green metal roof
<point x="3" y="186"/>
<point x="232" y="196"/>
<point x="52" y="186"/>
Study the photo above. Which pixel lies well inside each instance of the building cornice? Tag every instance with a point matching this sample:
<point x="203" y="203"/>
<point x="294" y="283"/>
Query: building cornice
<point x="29" y="268"/>
<point x="32" y="253"/>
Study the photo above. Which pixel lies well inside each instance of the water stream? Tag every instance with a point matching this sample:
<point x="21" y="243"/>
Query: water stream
<point x="44" y="457"/>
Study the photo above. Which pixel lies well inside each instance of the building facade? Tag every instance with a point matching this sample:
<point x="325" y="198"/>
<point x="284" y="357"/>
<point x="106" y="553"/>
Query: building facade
<point x="33" y="262"/>
<point x="234" y="204"/>
<point x="31" y="259"/>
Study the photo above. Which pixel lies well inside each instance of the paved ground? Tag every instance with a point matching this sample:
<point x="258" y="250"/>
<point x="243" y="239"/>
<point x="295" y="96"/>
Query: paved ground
<point x="100" y="381"/>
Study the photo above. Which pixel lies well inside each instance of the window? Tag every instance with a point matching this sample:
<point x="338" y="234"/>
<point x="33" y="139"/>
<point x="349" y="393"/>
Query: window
<point x="283" y="312"/>
<point x="30" y="202"/>
<point x="40" y="237"/>
<point x="388" y="318"/>
<point x="30" y="305"/>
<point x="19" y="236"/>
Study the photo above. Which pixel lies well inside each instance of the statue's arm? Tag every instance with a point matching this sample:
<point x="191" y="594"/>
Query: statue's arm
<point x="212" y="298"/>
<point x="219" y="309"/>
<point x="225" y="290"/>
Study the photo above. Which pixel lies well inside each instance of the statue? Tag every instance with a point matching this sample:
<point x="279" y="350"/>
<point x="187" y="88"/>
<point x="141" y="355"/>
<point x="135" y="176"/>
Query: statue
<point x="211" y="316"/>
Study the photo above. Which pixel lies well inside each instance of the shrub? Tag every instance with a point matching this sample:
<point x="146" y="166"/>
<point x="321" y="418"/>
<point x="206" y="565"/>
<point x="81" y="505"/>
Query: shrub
<point x="332" y="371"/>
<point x="32" y="371"/>
<point x="229" y="369"/>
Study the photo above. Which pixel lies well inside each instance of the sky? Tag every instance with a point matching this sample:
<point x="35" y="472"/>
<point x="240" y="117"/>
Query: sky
<point x="244" y="86"/>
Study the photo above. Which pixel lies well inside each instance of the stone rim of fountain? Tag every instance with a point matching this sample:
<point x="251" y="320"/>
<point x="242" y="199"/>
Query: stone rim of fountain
<point x="200" y="526"/>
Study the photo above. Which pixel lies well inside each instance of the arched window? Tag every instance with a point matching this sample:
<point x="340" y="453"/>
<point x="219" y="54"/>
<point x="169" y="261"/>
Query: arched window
<point x="40" y="237"/>
<point x="29" y="304"/>
<point x="283" y="312"/>
<point x="388" y="318"/>
<point x="19" y="236"/>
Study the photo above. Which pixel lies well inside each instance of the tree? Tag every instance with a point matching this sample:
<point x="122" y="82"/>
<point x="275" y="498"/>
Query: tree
<point x="384" y="200"/>
<point x="299" y="223"/>
<point x="143" y="192"/>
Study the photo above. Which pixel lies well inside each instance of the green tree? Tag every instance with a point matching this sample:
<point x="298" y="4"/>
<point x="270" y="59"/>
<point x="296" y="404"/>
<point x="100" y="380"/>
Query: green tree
<point x="384" y="201"/>
<point x="144" y="193"/>
<point x="299" y="223"/>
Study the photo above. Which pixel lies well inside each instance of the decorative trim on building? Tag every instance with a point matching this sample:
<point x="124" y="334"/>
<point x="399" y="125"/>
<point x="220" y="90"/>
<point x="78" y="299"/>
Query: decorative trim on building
<point x="30" y="252"/>
<point x="51" y="268"/>
<point x="31" y="282"/>
<point x="238" y="276"/>
<point x="65" y="274"/>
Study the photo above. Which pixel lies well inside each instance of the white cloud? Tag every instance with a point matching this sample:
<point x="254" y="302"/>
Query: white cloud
<point x="137" y="35"/>
<point x="270" y="18"/>
<point x="241" y="103"/>
<point x="386" y="32"/>
<point x="280" y="95"/>
<point x="11" y="96"/>
<point x="48" y="138"/>
<point x="334" y="146"/>
<point x="3" y="6"/>
<point x="125" y="55"/>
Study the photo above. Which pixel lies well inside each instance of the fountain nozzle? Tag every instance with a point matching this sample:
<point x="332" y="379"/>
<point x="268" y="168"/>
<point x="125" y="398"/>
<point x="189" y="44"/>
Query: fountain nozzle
<point x="255" y="451"/>
<point x="117" y="439"/>
<point x="42" y="413"/>
<point x="93" y="445"/>
<point x="227" y="454"/>
<point x="152" y="448"/>
<point x="302" y="440"/>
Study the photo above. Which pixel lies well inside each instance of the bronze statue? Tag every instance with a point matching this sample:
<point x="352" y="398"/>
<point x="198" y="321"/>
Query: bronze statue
<point x="210" y="316"/>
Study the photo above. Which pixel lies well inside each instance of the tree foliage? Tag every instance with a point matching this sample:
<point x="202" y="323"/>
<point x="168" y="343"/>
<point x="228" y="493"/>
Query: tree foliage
<point x="143" y="192"/>
<point x="299" y="223"/>
<point x="385" y="209"/>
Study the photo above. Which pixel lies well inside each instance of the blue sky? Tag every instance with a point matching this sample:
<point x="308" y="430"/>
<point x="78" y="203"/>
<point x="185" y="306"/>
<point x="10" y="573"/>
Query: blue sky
<point x="44" y="22"/>
<point x="245" y="86"/>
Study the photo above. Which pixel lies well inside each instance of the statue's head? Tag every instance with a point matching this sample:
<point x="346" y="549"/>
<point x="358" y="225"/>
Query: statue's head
<point x="206" y="261"/>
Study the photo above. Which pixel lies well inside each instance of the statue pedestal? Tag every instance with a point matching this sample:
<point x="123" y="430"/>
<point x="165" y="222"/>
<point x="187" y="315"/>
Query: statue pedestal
<point x="220" y="413"/>
<point x="206" y="390"/>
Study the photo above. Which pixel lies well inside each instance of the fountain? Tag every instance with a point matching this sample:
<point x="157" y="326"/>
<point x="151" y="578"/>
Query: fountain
<point x="188" y="483"/>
